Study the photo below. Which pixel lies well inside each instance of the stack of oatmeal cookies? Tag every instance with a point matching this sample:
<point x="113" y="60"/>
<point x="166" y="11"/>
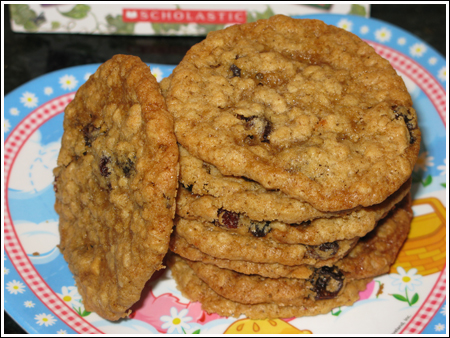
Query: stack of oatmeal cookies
<point x="297" y="142"/>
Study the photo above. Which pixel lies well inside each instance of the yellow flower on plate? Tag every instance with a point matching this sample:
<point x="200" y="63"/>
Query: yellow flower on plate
<point x="176" y="321"/>
<point x="406" y="280"/>
<point x="424" y="161"/>
<point x="68" y="82"/>
<point x="383" y="34"/>
<point x="70" y="295"/>
<point x="29" y="100"/>
<point x="439" y="327"/>
<point x="15" y="287"/>
<point x="48" y="90"/>
<point x="345" y="24"/>
<point x="418" y="49"/>
<point x="45" y="319"/>
<point x="157" y="73"/>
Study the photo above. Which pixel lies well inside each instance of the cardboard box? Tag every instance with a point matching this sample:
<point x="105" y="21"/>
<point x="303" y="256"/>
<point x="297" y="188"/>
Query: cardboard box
<point x="155" y="19"/>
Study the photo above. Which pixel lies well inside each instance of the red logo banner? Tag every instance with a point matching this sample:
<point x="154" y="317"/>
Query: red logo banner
<point x="183" y="16"/>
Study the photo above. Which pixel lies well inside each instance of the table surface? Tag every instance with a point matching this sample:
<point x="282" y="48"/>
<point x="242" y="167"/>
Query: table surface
<point x="28" y="56"/>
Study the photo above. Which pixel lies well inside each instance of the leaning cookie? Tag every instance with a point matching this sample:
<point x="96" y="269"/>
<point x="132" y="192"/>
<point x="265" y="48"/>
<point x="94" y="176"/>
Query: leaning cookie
<point x="317" y="231"/>
<point x="116" y="185"/>
<point x="299" y="106"/>
<point x="195" y="289"/>
<point x="220" y="243"/>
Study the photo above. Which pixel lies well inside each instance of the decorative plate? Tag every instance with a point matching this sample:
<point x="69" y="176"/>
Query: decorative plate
<point x="40" y="293"/>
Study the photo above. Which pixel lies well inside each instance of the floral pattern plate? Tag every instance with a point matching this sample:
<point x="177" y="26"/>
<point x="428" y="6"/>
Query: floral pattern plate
<point x="39" y="291"/>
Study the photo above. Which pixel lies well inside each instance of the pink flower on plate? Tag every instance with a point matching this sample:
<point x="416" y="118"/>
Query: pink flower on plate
<point x="150" y="309"/>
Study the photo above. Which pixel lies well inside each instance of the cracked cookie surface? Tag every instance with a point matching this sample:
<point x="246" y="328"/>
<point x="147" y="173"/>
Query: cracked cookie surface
<point x="220" y="243"/>
<point x="195" y="289"/>
<point x="372" y="255"/>
<point x="255" y="289"/>
<point x="116" y="184"/>
<point x="240" y="194"/>
<point x="297" y="106"/>
<point x="313" y="231"/>
<point x="376" y="252"/>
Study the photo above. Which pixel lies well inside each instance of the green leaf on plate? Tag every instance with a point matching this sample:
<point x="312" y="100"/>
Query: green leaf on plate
<point x="400" y="298"/>
<point x="337" y="313"/>
<point x="77" y="310"/>
<point x="414" y="299"/>
<point x="77" y="12"/>
<point x="444" y="185"/>
<point x="427" y="181"/>
<point x="196" y="331"/>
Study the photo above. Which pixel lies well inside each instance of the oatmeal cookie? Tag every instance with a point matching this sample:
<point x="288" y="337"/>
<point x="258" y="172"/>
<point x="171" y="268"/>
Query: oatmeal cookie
<point x="311" y="232"/>
<point x="297" y="106"/>
<point x="372" y="255"/>
<point x="195" y="289"/>
<point x="116" y="184"/>
<point x="325" y="283"/>
<point x="220" y="243"/>
<point x="376" y="252"/>
<point x="272" y="270"/>
<point x="239" y="194"/>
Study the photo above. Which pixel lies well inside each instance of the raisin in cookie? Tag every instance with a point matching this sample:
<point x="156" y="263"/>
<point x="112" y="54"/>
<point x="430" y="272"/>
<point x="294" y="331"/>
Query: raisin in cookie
<point x="311" y="232"/>
<point x="325" y="283"/>
<point x="218" y="242"/>
<point x="195" y="289"/>
<point x="372" y="255"/>
<point x="239" y="193"/>
<point x="298" y="106"/>
<point x="116" y="184"/>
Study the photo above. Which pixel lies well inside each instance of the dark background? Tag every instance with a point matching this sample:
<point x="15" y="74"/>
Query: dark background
<point x="28" y="56"/>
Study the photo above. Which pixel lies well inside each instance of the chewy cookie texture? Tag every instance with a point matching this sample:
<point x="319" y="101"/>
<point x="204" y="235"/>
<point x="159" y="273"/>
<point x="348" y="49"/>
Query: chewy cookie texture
<point x="372" y="256"/>
<point x="279" y="152"/>
<point x="195" y="289"/>
<point x="274" y="290"/>
<point x="116" y="184"/>
<point x="297" y="106"/>
<point x="297" y="143"/>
